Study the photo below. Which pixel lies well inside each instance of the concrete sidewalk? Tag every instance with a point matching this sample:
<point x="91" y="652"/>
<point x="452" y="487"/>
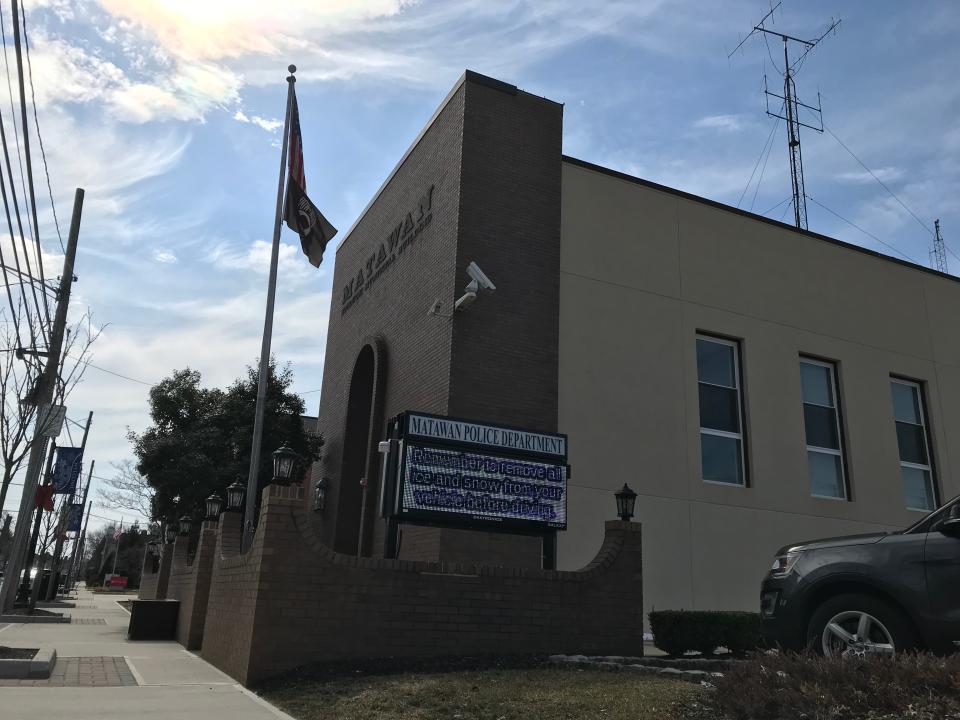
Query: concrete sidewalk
<point x="101" y="675"/>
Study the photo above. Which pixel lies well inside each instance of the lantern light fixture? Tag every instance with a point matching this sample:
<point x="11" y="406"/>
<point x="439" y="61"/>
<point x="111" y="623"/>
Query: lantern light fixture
<point x="214" y="504"/>
<point x="235" y="493"/>
<point x="284" y="459"/>
<point x="185" y="523"/>
<point x="626" y="499"/>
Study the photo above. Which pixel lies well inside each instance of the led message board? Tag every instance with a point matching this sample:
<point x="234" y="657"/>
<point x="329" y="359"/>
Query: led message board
<point x="460" y="472"/>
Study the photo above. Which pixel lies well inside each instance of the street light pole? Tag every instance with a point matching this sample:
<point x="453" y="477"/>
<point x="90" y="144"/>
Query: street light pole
<point x="46" y="386"/>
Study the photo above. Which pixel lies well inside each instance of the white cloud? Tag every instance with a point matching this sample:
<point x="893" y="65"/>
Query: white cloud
<point x="721" y="123"/>
<point x="292" y="265"/>
<point x="885" y="174"/>
<point x="270" y="125"/>
<point x="164" y="256"/>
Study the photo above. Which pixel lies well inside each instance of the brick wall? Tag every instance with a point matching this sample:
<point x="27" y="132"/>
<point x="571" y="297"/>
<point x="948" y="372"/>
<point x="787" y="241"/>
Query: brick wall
<point x="291" y="600"/>
<point x="153" y="585"/>
<point x="190" y="584"/>
<point x="492" y="155"/>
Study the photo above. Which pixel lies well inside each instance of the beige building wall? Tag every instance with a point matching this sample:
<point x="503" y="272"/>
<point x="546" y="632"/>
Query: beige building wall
<point x="643" y="270"/>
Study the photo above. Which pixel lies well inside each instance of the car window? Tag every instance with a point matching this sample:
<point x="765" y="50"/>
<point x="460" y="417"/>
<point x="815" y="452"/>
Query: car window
<point x="933" y="518"/>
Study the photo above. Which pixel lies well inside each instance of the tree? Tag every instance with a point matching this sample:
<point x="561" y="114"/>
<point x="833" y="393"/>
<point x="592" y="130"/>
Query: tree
<point x="126" y="490"/>
<point x="19" y="372"/>
<point x="201" y="438"/>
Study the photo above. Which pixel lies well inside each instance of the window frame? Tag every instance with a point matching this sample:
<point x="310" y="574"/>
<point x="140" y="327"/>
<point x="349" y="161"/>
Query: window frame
<point x="930" y="467"/>
<point x="741" y="409"/>
<point x="834" y="369"/>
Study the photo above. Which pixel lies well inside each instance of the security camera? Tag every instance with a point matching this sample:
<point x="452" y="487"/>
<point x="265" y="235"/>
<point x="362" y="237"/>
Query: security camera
<point x="479" y="278"/>
<point x="464" y="300"/>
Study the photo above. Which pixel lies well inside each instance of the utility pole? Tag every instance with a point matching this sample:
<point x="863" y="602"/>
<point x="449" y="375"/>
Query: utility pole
<point x="790" y="108"/>
<point x="78" y="538"/>
<point x="46" y="386"/>
<point x="61" y="526"/>
<point x="938" y="255"/>
<point x="25" y="585"/>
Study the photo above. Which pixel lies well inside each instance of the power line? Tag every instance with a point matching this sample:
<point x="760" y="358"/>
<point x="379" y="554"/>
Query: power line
<point x="865" y="232"/>
<point x="36" y="122"/>
<point x="786" y="199"/>
<point x="111" y="372"/>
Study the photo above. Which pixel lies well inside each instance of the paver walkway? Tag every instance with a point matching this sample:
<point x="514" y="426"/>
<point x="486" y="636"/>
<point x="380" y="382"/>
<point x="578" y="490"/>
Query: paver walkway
<point x="100" y="675"/>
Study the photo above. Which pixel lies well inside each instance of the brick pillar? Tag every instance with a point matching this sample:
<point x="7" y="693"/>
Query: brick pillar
<point x="193" y="588"/>
<point x="229" y="533"/>
<point x="163" y="579"/>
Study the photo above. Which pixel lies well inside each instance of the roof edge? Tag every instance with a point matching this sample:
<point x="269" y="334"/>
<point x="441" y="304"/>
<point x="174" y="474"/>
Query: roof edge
<point x="753" y="216"/>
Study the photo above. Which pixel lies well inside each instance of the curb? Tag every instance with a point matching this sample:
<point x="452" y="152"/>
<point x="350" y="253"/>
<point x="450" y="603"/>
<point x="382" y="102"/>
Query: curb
<point x="38" y="667"/>
<point x="35" y="619"/>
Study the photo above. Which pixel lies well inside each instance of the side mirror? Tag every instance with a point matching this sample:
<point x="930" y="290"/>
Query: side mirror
<point x="950" y="527"/>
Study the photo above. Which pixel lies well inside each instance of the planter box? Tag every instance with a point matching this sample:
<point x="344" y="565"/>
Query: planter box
<point x="37" y="667"/>
<point x="153" y="620"/>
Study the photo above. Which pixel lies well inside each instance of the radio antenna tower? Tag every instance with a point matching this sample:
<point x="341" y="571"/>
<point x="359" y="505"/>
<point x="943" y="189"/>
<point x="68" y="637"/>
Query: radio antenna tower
<point x="938" y="255"/>
<point x="790" y="104"/>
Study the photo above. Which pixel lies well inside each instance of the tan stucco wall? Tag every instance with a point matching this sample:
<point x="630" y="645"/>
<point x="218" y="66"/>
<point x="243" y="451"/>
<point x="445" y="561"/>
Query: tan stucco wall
<point x="642" y="271"/>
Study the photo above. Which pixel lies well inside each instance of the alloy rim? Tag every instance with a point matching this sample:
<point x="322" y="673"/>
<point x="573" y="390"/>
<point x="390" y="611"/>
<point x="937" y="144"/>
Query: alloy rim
<point x="854" y="633"/>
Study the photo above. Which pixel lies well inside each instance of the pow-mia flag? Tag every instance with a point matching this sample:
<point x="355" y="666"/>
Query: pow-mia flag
<point x="300" y="214"/>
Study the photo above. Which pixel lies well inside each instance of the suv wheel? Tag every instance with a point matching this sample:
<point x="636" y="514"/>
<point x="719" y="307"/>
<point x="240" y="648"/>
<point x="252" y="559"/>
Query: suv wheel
<point x="858" y="626"/>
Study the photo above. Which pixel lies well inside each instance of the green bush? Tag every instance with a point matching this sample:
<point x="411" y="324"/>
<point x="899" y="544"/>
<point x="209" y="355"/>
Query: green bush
<point x="679" y="631"/>
<point x="809" y="687"/>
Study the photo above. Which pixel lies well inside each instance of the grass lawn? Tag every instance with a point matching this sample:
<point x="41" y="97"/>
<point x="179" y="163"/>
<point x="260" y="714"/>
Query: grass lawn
<point x="502" y="694"/>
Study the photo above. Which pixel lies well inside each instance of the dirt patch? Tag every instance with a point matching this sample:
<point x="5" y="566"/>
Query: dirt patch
<point x="11" y="653"/>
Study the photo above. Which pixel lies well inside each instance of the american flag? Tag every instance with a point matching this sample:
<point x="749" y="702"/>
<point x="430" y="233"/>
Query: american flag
<point x="296" y="147"/>
<point x="301" y="215"/>
<point x="119" y="532"/>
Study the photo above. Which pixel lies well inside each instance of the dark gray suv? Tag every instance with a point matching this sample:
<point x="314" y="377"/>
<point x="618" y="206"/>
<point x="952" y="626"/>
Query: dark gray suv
<point x="869" y="593"/>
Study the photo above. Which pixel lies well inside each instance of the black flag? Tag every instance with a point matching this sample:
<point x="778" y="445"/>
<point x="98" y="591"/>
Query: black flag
<point x="300" y="214"/>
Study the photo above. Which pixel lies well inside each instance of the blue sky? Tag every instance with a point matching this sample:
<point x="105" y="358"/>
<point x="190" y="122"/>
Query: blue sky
<point x="167" y="112"/>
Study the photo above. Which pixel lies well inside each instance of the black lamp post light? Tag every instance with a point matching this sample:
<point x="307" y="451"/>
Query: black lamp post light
<point x="185" y="524"/>
<point x="626" y="499"/>
<point x="171" y="534"/>
<point x="235" y="493"/>
<point x="214" y="505"/>
<point x="284" y="460"/>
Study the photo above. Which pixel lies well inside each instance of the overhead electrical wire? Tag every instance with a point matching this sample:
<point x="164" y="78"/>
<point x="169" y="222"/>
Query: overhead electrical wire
<point x="36" y="122"/>
<point x="16" y="205"/>
<point x="26" y="152"/>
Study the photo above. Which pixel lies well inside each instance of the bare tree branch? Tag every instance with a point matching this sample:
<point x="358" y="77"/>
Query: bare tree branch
<point x="126" y="490"/>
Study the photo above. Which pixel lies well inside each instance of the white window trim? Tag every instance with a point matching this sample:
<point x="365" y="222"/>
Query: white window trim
<point x="740" y="412"/>
<point x="835" y="391"/>
<point x="918" y="390"/>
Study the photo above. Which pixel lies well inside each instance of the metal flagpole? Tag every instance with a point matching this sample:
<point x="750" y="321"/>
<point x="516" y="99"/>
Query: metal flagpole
<point x="252" y="485"/>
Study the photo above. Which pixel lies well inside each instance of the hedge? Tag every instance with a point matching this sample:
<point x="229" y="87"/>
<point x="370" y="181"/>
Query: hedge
<point x="679" y="631"/>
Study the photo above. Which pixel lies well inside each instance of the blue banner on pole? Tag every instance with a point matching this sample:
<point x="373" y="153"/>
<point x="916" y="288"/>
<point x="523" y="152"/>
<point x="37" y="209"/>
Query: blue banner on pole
<point x="75" y="517"/>
<point x="66" y="470"/>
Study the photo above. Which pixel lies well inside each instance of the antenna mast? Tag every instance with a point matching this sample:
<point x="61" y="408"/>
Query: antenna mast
<point x="790" y="105"/>
<point x="938" y="255"/>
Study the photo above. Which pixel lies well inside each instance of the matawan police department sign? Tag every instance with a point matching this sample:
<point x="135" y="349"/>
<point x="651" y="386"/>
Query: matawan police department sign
<point x="461" y="472"/>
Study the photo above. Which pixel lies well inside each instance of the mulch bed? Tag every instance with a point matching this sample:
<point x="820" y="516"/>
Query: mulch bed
<point x="9" y="653"/>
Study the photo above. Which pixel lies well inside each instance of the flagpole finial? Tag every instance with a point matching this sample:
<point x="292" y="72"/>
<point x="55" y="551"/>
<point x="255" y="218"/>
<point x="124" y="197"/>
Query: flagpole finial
<point x="292" y="69"/>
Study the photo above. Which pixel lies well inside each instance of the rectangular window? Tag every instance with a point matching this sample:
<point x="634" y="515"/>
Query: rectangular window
<point x="722" y="457"/>
<point x="913" y="442"/>
<point x="821" y="419"/>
